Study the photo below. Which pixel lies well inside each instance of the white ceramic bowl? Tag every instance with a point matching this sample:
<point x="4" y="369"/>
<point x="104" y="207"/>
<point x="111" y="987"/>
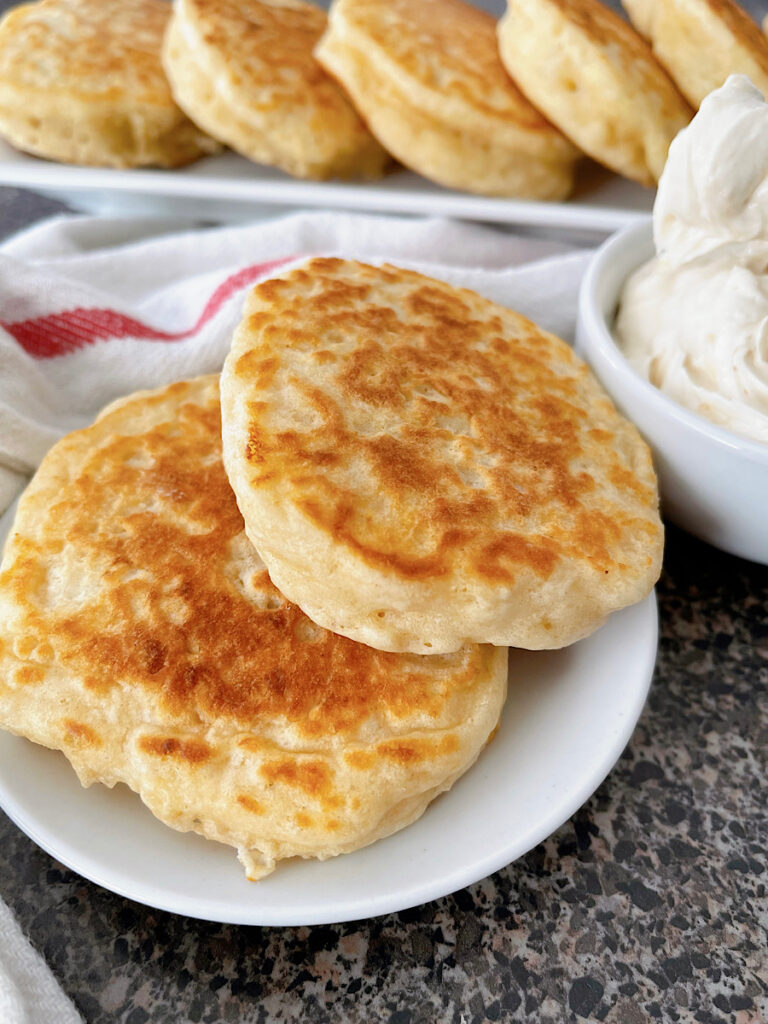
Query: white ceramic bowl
<point x="713" y="483"/>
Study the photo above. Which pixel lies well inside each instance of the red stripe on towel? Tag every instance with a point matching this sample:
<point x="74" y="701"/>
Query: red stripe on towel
<point x="59" y="333"/>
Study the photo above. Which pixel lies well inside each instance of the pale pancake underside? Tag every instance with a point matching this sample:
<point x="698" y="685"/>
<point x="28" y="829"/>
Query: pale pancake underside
<point x="140" y="634"/>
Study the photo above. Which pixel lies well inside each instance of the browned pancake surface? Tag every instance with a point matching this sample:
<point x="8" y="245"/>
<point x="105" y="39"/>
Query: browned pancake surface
<point x="99" y="48"/>
<point x="449" y="47"/>
<point x="82" y="81"/>
<point x="141" y="632"/>
<point x="486" y="460"/>
<point x="430" y="436"/>
<point x="245" y="70"/>
<point x="701" y="42"/>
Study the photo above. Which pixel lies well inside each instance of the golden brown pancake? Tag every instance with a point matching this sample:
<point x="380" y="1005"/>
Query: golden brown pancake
<point x="244" y="71"/>
<point x="140" y="634"/>
<point x="81" y="81"/>
<point x="701" y="42"/>
<point x="420" y="468"/>
<point x="596" y="79"/>
<point x="426" y="76"/>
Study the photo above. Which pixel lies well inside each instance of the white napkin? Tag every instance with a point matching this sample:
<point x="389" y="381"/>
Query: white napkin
<point x="29" y="993"/>
<point x="92" y="308"/>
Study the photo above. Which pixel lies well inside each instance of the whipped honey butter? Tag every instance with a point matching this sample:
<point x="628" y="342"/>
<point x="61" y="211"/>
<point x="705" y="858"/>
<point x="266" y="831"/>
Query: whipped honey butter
<point x="694" y="319"/>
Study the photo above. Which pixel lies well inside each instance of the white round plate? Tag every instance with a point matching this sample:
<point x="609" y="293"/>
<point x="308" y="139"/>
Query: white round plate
<point x="568" y="717"/>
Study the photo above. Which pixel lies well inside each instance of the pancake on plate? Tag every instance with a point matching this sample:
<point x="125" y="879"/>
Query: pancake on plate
<point x="420" y="468"/>
<point x="596" y="79"/>
<point x="81" y="82"/>
<point x="244" y="71"/>
<point x="426" y="76"/>
<point x="140" y="634"/>
<point x="702" y="42"/>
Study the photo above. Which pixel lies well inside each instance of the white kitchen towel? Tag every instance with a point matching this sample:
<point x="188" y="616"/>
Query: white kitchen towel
<point x="29" y="993"/>
<point x="93" y="308"/>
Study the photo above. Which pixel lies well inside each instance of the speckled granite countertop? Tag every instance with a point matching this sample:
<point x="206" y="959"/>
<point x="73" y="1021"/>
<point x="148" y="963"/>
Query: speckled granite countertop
<point x="650" y="904"/>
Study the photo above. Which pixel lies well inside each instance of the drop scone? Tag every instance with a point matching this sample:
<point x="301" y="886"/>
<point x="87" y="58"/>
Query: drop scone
<point x="140" y="634"/>
<point x="244" y="71"/>
<point x="426" y="76"/>
<point x="596" y="79"/>
<point x="702" y="42"/>
<point x="420" y="468"/>
<point x="81" y="82"/>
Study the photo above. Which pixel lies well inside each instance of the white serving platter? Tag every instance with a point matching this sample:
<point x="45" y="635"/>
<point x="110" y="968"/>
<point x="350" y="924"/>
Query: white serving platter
<point x="228" y="187"/>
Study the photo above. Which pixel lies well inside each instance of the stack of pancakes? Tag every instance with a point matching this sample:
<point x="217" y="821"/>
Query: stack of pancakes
<point x="288" y="631"/>
<point x="425" y="81"/>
